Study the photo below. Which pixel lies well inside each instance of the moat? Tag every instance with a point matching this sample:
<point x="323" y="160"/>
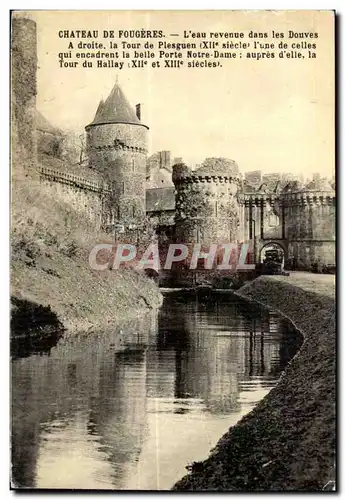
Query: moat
<point x="130" y="409"/>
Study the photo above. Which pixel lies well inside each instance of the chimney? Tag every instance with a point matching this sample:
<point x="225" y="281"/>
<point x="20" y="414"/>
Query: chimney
<point x="138" y="111"/>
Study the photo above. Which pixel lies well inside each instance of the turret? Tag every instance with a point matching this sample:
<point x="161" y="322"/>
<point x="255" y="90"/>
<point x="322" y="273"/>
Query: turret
<point x="310" y="224"/>
<point x="206" y="202"/>
<point x="117" y="147"/>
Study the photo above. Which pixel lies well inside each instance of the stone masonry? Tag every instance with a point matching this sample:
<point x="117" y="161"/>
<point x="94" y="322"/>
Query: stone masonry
<point x="206" y="203"/>
<point x="117" y="148"/>
<point x="24" y="87"/>
<point x="212" y="204"/>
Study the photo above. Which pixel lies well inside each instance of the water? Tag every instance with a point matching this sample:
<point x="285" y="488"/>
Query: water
<point x="129" y="410"/>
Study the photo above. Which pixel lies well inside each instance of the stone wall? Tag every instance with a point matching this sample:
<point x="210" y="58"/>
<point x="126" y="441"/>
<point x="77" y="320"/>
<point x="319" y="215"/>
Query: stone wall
<point x="302" y="221"/>
<point x="49" y="144"/>
<point x="160" y="206"/>
<point x="261" y="217"/>
<point x="85" y="196"/>
<point x="311" y="255"/>
<point x="310" y="230"/>
<point x="119" y="151"/>
<point x="207" y="208"/>
<point x="23" y="87"/>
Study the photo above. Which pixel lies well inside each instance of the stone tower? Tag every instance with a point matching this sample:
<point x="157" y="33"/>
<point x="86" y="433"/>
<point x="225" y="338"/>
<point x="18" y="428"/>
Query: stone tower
<point x="117" y="147"/>
<point x="207" y="210"/>
<point x="310" y="224"/>
<point x="24" y="87"/>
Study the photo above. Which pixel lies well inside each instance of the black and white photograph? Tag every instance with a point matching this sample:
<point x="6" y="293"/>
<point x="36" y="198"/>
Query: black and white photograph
<point x="173" y="250"/>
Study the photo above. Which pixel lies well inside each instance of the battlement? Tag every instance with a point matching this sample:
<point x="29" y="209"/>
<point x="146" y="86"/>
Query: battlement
<point x="314" y="198"/>
<point x="73" y="180"/>
<point x="118" y="145"/>
<point x="258" y="198"/>
<point x="288" y="198"/>
<point x="216" y="179"/>
<point x="182" y="174"/>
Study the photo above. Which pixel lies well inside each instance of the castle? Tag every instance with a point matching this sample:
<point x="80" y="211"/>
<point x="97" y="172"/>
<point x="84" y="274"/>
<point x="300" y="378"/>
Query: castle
<point x="121" y="190"/>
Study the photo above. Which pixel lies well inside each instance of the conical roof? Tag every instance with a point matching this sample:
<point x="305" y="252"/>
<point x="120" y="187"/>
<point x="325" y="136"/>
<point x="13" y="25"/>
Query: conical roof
<point x="319" y="185"/>
<point x="116" y="109"/>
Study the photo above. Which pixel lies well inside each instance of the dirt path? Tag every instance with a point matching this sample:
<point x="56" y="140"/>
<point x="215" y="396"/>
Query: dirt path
<point x="288" y="441"/>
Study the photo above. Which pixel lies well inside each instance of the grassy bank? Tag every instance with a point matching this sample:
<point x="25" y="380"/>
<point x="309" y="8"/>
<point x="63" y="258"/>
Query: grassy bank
<point x="288" y="441"/>
<point x="50" y="248"/>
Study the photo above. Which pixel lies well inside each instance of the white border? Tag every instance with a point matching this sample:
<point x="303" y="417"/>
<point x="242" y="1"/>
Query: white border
<point x="337" y="5"/>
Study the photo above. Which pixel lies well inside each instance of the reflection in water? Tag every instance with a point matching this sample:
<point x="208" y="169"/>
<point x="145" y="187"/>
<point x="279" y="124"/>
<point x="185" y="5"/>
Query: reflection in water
<point x="129" y="409"/>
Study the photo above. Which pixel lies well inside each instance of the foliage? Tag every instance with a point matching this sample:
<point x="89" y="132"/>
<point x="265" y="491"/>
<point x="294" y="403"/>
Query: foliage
<point x="218" y="166"/>
<point x="50" y="245"/>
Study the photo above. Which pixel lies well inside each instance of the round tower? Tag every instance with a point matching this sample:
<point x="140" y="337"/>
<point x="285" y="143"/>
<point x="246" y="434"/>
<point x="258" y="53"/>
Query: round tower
<point x="207" y="209"/>
<point x="310" y="224"/>
<point x="117" y="147"/>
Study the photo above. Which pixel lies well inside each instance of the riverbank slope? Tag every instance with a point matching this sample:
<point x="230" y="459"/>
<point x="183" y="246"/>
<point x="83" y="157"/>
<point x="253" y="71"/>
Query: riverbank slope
<point x="50" y="245"/>
<point x="288" y="441"/>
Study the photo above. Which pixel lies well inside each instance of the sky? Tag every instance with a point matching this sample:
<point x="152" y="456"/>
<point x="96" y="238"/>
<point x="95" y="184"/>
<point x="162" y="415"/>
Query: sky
<point x="272" y="115"/>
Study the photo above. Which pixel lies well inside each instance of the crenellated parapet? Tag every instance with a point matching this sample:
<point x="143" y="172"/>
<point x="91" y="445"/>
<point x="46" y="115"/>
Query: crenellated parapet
<point x="287" y="199"/>
<point x="118" y="145"/>
<point x="215" y="179"/>
<point x="315" y="193"/>
<point x="257" y="199"/>
<point x="307" y="198"/>
<point x="72" y="180"/>
<point x="292" y="194"/>
<point x="88" y="195"/>
<point x="182" y="174"/>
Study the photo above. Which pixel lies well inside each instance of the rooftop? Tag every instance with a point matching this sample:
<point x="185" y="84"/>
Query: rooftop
<point x="319" y="185"/>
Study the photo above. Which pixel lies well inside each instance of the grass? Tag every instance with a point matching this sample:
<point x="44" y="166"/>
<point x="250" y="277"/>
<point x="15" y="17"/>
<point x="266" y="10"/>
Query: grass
<point x="287" y="443"/>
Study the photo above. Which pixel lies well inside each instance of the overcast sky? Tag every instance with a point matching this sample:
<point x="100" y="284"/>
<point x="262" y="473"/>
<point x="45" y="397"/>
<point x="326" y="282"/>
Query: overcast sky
<point x="274" y="115"/>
